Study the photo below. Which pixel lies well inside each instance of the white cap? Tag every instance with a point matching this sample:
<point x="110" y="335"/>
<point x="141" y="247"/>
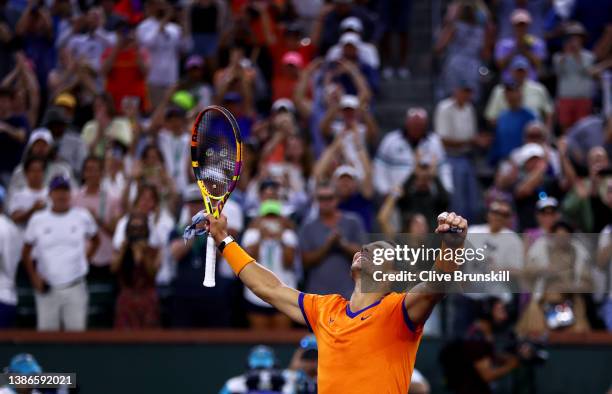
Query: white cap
<point x="528" y="151"/>
<point x="350" y="38"/>
<point x="41" y="133"/>
<point x="346" y="170"/>
<point x="283" y="103"/>
<point x="349" y="101"/>
<point x="351" y="23"/>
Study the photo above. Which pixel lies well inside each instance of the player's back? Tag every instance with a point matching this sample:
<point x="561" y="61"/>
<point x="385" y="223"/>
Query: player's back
<point x="368" y="351"/>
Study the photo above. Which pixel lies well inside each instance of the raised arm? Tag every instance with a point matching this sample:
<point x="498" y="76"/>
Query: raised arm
<point x="257" y="278"/>
<point x="421" y="300"/>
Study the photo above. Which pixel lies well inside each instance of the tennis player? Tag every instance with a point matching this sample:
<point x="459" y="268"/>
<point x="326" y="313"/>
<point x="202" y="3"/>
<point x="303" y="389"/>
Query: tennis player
<point x="367" y="344"/>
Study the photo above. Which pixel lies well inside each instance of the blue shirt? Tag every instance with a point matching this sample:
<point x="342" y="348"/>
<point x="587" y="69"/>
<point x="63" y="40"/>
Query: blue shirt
<point x="509" y="132"/>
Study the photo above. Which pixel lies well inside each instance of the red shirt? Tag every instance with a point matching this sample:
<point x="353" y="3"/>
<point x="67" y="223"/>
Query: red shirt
<point x="125" y="77"/>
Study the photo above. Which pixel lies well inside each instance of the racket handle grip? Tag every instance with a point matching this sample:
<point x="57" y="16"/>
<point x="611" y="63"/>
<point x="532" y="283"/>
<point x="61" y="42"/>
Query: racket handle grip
<point x="211" y="260"/>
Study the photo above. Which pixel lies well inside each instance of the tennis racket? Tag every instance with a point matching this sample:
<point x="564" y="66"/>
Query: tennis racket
<point x="216" y="158"/>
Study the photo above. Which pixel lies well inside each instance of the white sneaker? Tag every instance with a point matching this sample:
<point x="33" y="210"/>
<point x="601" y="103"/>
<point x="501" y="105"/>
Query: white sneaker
<point x="403" y="73"/>
<point x="387" y="73"/>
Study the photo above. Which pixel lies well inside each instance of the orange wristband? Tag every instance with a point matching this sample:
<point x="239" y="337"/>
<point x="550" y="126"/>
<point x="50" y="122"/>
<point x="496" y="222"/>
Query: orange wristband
<point x="236" y="257"/>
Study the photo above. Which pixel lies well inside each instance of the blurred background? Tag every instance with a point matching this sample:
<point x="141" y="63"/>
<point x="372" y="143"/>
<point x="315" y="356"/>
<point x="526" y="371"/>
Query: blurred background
<point x="359" y="117"/>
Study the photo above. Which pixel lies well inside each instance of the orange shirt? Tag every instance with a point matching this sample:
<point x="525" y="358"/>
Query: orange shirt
<point x="371" y="351"/>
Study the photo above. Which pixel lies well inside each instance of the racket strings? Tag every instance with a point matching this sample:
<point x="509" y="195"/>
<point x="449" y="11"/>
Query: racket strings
<point x="216" y="152"/>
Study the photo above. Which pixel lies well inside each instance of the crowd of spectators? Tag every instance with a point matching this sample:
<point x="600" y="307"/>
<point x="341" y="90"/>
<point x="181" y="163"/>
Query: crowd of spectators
<point x="97" y="100"/>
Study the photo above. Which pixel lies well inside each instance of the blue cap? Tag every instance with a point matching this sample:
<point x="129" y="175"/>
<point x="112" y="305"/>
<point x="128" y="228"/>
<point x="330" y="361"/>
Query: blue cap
<point x="2" y="194"/>
<point x="24" y="363"/>
<point x="261" y="357"/>
<point x="59" y="182"/>
<point x="519" y="62"/>
<point x="232" y="97"/>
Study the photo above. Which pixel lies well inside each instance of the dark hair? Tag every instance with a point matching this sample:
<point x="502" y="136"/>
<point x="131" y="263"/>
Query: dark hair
<point x="154" y="148"/>
<point x="107" y="99"/>
<point x="33" y="159"/>
<point x="147" y="187"/>
<point x="562" y="224"/>
<point x="93" y="158"/>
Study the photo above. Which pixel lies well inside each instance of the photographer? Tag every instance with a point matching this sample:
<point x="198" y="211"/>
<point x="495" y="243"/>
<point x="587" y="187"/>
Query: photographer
<point x="136" y="264"/>
<point x="472" y="365"/>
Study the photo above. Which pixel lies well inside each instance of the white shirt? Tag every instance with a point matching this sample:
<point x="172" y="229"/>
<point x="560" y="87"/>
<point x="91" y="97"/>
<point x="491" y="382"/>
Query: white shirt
<point x="453" y="122"/>
<point x="396" y="159"/>
<point x="24" y="199"/>
<point x="60" y="240"/>
<point x="10" y="254"/>
<point x="163" y="47"/>
<point x="535" y="98"/>
<point x="175" y="150"/>
<point x="271" y="257"/>
<point x="605" y="237"/>
<point x="91" y="46"/>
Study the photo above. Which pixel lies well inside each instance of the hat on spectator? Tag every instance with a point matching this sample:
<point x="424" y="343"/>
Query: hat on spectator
<point x="529" y="151"/>
<point x="548" y="202"/>
<point x="283" y="104"/>
<point x="194" y="61"/>
<point x="346" y="170"/>
<point x="464" y="84"/>
<point x="350" y="38"/>
<point x="351" y="23"/>
<point x="55" y="115"/>
<point x="59" y="182"/>
<point x="349" y="101"/>
<point x="261" y="357"/>
<point x="295" y="28"/>
<point x="2" y="194"/>
<point x="40" y="133"/>
<point x="575" y="29"/>
<point x="192" y="193"/>
<point x="268" y="183"/>
<point x="293" y="58"/>
<point x="24" y="363"/>
<point x="65" y="100"/>
<point x="270" y="207"/>
<point x="519" y="63"/>
<point x="309" y="345"/>
<point x="520" y="16"/>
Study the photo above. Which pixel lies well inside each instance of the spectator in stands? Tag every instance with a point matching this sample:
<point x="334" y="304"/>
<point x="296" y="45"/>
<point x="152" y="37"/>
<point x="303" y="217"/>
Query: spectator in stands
<point x="136" y="264"/>
<point x="331" y="17"/>
<point x="463" y="43"/>
<point x="395" y="19"/>
<point x="10" y="253"/>
<point x="547" y="214"/>
<point x="195" y="83"/>
<point x="284" y="82"/>
<point x="26" y="201"/>
<point x="192" y="304"/>
<point x="13" y="134"/>
<point x="534" y="95"/>
<point x="89" y="39"/>
<point x="510" y="124"/>
<point x="397" y="153"/>
<point x="125" y="67"/>
<point x="521" y="44"/>
<point x="534" y="181"/>
<point x="537" y="10"/>
<point x="328" y="243"/>
<point x="351" y="44"/>
<point x="173" y="140"/>
<point x="594" y="16"/>
<point x="351" y="121"/>
<point x="61" y="240"/>
<point x="368" y="53"/>
<point x="40" y="144"/>
<point x="205" y="21"/>
<point x="70" y="147"/>
<point x="162" y="39"/>
<point x="573" y="67"/>
<point x="270" y="238"/>
<point x="98" y="133"/>
<point x="355" y="193"/>
<point x="456" y="124"/>
<point x="23" y="82"/>
<point x="104" y="204"/>
<point x="587" y="133"/>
